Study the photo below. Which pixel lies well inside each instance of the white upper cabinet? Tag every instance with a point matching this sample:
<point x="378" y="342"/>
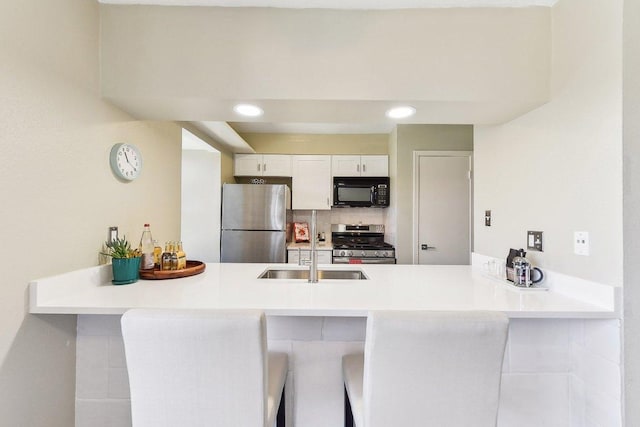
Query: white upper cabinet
<point x="374" y="165"/>
<point x="262" y="165"/>
<point x="311" y="182"/>
<point x="359" y="165"/>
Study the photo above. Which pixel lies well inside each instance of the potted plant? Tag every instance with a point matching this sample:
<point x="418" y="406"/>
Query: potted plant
<point x="125" y="261"/>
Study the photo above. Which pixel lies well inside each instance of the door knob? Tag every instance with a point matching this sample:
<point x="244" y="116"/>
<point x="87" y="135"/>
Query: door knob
<point x="426" y="247"/>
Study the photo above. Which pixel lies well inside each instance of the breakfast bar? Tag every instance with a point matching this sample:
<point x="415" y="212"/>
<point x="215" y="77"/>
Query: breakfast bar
<point x="558" y="348"/>
<point x="398" y="287"/>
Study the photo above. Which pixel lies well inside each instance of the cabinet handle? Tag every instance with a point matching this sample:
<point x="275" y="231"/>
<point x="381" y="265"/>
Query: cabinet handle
<point x="264" y="167"/>
<point x="364" y="168"/>
<point x="357" y="168"/>
<point x="328" y="204"/>
<point x="258" y="167"/>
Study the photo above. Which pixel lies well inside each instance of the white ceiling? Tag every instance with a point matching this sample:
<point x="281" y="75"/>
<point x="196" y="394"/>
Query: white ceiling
<point x="341" y="4"/>
<point x="376" y="125"/>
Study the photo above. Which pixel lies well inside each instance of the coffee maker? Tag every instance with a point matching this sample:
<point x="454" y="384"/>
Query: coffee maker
<point x="520" y="271"/>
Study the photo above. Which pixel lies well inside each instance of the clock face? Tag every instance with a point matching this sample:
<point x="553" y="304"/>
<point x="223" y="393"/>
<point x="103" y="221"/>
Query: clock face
<point x="126" y="161"/>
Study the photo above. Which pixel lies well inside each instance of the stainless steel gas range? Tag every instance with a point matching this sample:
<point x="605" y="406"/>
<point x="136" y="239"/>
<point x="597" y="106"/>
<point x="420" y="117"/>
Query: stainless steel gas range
<point x="361" y="244"/>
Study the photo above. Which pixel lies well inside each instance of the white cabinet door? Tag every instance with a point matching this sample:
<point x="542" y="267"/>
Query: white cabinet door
<point x="324" y="257"/>
<point x="374" y="166"/>
<point x="293" y="256"/>
<point x="247" y="165"/>
<point x="262" y="165"/>
<point x="359" y="165"/>
<point x="345" y="166"/>
<point x="276" y="165"/>
<point x="311" y="182"/>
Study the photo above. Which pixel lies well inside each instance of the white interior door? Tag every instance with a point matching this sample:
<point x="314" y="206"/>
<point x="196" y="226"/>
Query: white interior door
<point x="443" y="229"/>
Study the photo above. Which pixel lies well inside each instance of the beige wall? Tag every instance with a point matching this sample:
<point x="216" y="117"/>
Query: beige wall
<point x="402" y="144"/>
<point x="317" y="144"/>
<point x="631" y="144"/>
<point x="558" y="169"/>
<point x="58" y="193"/>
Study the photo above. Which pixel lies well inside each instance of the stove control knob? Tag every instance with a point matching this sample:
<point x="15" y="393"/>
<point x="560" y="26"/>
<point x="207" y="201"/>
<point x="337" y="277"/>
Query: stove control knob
<point x="350" y="253"/>
<point x="385" y="254"/>
<point x="343" y="253"/>
<point x="363" y="253"/>
<point x="376" y="253"/>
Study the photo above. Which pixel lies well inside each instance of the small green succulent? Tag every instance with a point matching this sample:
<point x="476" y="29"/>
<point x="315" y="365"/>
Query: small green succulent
<point x="120" y="248"/>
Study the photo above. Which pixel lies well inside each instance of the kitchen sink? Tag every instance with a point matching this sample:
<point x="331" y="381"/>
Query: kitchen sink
<point x="322" y="274"/>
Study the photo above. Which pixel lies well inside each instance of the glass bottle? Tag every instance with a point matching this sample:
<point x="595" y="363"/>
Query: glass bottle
<point x="182" y="257"/>
<point x="174" y="256"/>
<point x="165" y="261"/>
<point x="157" y="254"/>
<point x="146" y="248"/>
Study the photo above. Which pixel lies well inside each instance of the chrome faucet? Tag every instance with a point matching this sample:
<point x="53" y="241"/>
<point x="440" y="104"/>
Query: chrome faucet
<point x="313" y="267"/>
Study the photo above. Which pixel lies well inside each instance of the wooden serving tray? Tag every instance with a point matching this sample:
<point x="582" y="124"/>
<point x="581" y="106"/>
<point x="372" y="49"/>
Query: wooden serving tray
<point x="193" y="268"/>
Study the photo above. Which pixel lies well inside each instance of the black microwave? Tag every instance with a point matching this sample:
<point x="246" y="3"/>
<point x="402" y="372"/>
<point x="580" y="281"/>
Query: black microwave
<point x="361" y="191"/>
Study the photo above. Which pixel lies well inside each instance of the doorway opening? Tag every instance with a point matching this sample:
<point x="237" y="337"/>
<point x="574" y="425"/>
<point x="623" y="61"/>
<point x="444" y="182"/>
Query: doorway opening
<point x="201" y="198"/>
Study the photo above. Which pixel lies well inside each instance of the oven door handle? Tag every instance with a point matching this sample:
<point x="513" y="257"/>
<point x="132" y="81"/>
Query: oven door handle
<point x="347" y="260"/>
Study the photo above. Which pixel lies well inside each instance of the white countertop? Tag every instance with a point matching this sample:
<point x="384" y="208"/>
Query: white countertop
<point x="390" y="287"/>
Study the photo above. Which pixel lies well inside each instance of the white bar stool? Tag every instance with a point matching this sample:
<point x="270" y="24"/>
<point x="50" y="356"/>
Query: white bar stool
<point x="197" y="368"/>
<point x="439" y="369"/>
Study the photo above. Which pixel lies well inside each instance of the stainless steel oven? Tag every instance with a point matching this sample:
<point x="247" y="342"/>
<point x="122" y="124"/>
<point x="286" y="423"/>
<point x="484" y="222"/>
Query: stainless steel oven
<point x="361" y="244"/>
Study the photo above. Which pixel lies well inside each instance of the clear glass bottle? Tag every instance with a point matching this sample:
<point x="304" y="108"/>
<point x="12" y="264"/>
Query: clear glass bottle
<point x="182" y="257"/>
<point x="146" y="248"/>
<point x="174" y="256"/>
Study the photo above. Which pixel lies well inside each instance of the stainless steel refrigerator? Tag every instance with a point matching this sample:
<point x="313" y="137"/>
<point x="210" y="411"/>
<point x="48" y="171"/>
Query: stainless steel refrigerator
<point x="256" y="221"/>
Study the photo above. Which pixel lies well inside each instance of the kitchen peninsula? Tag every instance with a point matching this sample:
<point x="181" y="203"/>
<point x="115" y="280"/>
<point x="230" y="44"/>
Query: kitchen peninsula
<point x="225" y="286"/>
<point x="547" y="365"/>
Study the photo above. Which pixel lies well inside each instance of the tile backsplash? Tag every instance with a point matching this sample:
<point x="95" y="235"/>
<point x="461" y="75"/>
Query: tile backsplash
<point x="341" y="216"/>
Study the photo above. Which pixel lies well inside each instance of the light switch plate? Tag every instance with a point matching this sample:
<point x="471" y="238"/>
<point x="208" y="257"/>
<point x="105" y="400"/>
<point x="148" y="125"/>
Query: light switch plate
<point x="487" y="218"/>
<point x="581" y="243"/>
<point x="534" y="241"/>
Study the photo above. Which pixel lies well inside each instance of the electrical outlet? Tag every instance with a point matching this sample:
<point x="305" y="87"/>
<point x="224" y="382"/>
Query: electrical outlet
<point x="113" y="234"/>
<point x="534" y="240"/>
<point x="581" y="243"/>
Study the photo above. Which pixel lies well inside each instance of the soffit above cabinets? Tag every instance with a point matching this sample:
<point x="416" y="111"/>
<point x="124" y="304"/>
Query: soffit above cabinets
<point x="325" y="68"/>
<point x="342" y="4"/>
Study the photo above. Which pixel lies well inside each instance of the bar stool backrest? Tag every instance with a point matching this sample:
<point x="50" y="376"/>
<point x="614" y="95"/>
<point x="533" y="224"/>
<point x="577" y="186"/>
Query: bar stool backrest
<point x="433" y="368"/>
<point x="196" y="368"/>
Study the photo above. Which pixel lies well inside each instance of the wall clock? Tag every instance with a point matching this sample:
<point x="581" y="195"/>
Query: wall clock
<point x="126" y="161"/>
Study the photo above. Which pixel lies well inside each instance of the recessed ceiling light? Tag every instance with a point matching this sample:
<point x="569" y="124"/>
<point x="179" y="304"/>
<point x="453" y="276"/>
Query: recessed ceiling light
<point x="401" y="112"/>
<point x="248" y="110"/>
